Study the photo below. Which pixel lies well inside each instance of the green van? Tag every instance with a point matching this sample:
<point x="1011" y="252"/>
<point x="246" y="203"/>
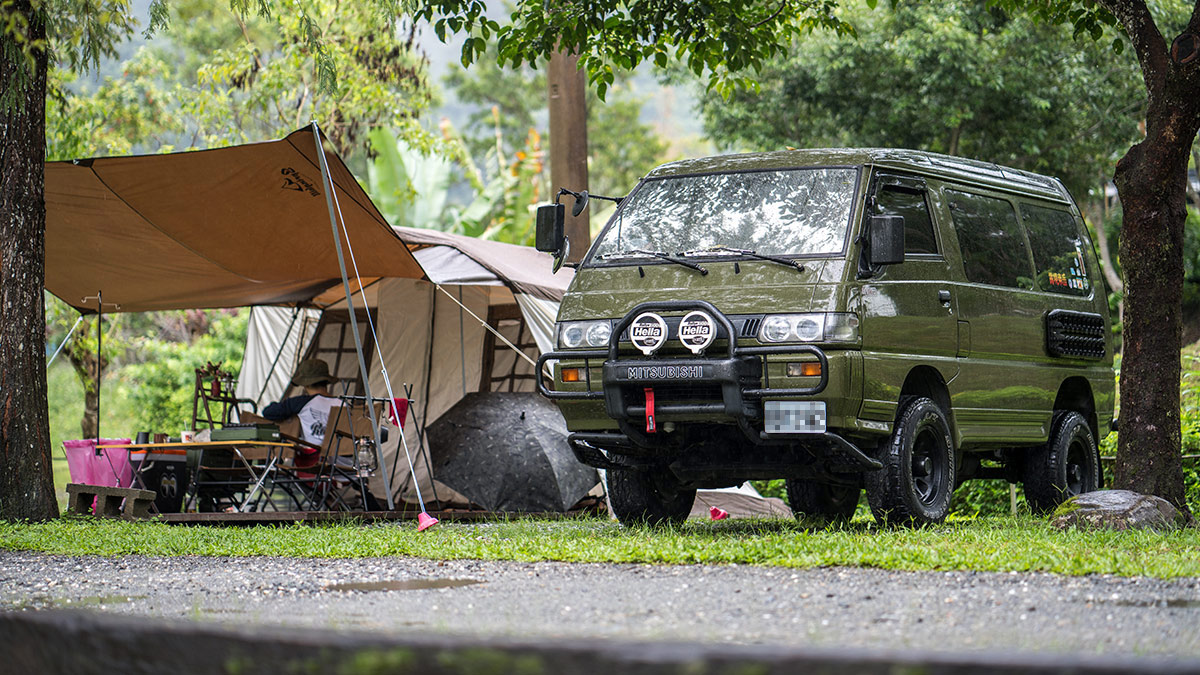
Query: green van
<point x="893" y="320"/>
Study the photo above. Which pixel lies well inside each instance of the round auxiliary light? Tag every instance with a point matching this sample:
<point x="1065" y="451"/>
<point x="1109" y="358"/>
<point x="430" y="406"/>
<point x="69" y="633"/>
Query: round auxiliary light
<point x="648" y="332"/>
<point x="697" y="330"/>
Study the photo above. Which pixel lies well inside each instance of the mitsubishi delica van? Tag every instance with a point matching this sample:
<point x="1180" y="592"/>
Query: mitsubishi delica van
<point x="887" y="320"/>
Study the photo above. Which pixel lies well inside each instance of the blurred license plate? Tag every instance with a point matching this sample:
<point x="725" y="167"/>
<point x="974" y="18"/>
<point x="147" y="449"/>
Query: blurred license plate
<point x="794" y="417"/>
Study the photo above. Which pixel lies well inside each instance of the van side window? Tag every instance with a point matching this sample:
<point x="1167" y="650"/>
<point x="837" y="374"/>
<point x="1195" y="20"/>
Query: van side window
<point x="894" y="200"/>
<point x="1057" y="250"/>
<point x="993" y="248"/>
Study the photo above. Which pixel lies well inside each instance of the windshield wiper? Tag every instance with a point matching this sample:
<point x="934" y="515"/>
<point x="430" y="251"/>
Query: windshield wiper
<point x="639" y="253"/>
<point x="746" y="252"/>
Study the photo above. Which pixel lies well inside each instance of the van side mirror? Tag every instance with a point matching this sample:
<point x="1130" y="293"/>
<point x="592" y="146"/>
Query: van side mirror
<point x="550" y="237"/>
<point x="887" y="240"/>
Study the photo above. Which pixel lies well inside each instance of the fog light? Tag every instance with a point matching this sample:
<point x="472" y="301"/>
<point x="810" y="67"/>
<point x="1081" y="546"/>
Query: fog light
<point x="805" y="369"/>
<point x="570" y="374"/>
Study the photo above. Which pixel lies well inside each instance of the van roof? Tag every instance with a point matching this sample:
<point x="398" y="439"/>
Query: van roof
<point x="914" y="161"/>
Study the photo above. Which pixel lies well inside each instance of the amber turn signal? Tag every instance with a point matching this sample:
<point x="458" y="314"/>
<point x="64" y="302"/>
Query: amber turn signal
<point x="806" y="369"/>
<point x="570" y="374"/>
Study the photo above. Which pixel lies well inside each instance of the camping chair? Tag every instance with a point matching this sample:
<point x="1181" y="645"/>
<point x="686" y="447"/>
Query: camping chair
<point x="214" y="402"/>
<point x="337" y="481"/>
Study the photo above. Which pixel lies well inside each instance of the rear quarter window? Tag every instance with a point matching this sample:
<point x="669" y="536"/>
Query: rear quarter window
<point x="1057" y="250"/>
<point x="993" y="248"/>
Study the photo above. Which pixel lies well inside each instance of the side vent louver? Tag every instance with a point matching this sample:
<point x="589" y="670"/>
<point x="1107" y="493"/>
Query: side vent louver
<point x="1076" y="335"/>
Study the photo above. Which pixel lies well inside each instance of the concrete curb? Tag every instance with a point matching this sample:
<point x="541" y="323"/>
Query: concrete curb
<point x="66" y="641"/>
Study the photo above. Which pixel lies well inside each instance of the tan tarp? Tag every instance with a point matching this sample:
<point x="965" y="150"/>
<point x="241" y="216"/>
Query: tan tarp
<point x="228" y="227"/>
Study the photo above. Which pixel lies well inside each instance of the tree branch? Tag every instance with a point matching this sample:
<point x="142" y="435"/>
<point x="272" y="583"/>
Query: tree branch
<point x="1148" y="42"/>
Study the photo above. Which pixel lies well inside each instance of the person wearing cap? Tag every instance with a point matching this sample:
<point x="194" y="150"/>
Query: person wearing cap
<point x="312" y="407"/>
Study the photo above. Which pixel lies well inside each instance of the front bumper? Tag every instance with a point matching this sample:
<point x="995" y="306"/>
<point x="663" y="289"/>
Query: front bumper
<point x="728" y="387"/>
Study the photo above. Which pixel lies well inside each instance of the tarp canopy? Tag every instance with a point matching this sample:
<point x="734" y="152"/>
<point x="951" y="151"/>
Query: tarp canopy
<point x="228" y="227"/>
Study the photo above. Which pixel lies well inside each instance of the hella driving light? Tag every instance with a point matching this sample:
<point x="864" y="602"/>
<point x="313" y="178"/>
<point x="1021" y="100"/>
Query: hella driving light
<point x="578" y="334"/>
<point x="817" y="327"/>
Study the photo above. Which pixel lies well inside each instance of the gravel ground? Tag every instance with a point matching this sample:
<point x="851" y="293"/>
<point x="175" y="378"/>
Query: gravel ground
<point x="842" y="607"/>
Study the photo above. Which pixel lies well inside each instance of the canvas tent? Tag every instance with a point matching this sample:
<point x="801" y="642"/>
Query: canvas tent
<point x="427" y="339"/>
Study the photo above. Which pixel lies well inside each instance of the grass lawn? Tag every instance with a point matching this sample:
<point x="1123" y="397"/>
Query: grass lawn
<point x="984" y="544"/>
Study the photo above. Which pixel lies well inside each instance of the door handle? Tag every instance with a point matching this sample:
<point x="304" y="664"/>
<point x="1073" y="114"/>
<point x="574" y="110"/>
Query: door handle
<point x="944" y="297"/>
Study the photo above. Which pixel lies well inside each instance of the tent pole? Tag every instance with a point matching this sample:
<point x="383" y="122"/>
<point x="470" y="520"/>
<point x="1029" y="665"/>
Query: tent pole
<point x="425" y="411"/>
<point x="362" y="362"/>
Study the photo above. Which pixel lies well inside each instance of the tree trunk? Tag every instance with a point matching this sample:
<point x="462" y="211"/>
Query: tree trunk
<point x="26" y="477"/>
<point x="1151" y="183"/>
<point x="567" y="102"/>
<point x="84" y="363"/>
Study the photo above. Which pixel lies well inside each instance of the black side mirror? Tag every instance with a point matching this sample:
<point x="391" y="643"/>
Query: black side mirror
<point x="550" y="219"/>
<point x="551" y="237"/>
<point x="581" y="201"/>
<point x="887" y="240"/>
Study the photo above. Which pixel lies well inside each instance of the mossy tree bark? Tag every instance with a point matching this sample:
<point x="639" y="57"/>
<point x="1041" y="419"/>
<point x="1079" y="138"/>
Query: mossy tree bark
<point x="1151" y="180"/>
<point x="26" y="478"/>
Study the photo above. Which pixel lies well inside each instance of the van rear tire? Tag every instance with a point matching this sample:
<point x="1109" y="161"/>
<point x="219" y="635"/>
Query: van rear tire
<point x="1067" y="465"/>
<point x="648" y="497"/>
<point x="822" y="502"/>
<point x="914" y="486"/>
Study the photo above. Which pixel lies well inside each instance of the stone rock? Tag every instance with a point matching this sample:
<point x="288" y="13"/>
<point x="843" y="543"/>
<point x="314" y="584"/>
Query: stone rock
<point x="1117" y="510"/>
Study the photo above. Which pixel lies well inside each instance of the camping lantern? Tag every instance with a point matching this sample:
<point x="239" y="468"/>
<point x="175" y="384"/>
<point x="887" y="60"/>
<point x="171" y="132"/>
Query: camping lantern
<point x="365" y="458"/>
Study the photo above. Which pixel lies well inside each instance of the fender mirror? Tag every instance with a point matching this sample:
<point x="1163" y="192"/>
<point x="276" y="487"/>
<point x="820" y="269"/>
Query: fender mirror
<point x="581" y="201"/>
<point x="550" y="236"/>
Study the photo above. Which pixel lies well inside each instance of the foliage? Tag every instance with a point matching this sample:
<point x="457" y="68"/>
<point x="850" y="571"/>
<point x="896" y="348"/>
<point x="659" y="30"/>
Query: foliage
<point x="621" y="149"/>
<point x="413" y="189"/>
<point x="982" y="544"/>
<point x="161" y="387"/>
<point x="724" y="39"/>
<point x="226" y="78"/>
<point x="958" y="78"/>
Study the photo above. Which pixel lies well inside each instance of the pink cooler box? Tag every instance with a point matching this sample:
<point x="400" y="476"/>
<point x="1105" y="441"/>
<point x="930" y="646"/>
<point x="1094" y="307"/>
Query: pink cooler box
<point x="110" y="467"/>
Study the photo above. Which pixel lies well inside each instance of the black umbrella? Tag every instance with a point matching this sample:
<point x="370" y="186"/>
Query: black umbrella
<point x="508" y="452"/>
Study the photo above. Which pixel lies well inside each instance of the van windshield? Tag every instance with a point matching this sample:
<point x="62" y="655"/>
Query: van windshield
<point x="786" y="212"/>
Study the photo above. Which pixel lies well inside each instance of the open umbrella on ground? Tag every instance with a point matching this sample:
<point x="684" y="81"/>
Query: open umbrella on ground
<point x="508" y="452"/>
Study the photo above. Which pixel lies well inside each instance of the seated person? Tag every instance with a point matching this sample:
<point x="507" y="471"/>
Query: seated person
<point x="312" y="407"/>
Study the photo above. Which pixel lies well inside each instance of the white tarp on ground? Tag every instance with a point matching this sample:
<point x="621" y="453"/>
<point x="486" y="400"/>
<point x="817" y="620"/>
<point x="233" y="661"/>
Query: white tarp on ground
<point x="427" y="340"/>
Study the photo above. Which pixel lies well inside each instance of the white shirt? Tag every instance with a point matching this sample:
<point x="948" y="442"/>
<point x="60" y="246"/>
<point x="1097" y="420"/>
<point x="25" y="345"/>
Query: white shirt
<point x="314" y="416"/>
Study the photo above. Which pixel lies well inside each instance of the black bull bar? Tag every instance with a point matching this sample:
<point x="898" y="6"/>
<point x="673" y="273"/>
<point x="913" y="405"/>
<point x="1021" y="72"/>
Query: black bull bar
<point x="738" y="373"/>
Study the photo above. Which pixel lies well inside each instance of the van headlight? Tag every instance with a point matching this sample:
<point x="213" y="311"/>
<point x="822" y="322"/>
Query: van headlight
<point x="578" y="334"/>
<point x="816" y="327"/>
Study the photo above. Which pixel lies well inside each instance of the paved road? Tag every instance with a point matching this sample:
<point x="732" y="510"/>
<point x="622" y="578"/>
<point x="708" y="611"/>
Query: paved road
<point x="837" y="607"/>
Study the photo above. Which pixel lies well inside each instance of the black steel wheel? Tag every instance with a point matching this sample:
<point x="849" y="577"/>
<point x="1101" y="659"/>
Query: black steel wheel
<point x="649" y="497"/>
<point x="822" y="502"/>
<point x="1067" y="465"/>
<point x="914" y="485"/>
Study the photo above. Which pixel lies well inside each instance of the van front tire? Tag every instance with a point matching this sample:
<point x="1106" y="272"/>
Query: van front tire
<point x="648" y="497"/>
<point x="1067" y="465"/>
<point x="914" y="485"/>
